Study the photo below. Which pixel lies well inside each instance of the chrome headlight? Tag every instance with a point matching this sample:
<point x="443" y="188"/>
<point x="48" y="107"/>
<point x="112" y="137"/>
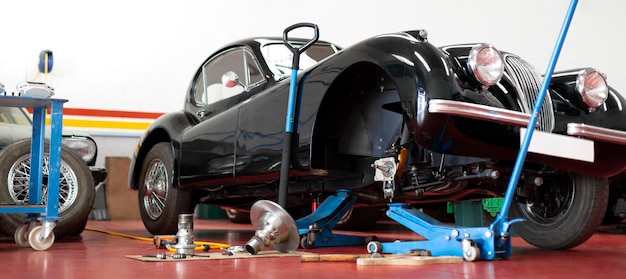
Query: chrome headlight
<point x="485" y="63"/>
<point x="84" y="147"/>
<point x="592" y="87"/>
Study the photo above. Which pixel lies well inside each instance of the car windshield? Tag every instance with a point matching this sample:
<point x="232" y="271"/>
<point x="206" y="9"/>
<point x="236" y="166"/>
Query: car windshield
<point x="14" y="115"/>
<point x="279" y="58"/>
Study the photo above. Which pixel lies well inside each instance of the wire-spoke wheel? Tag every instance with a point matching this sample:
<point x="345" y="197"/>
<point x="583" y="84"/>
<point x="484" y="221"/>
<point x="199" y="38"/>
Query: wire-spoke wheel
<point x="159" y="202"/>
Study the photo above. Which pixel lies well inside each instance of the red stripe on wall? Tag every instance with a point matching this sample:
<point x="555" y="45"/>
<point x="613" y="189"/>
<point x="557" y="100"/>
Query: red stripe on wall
<point x="107" y="113"/>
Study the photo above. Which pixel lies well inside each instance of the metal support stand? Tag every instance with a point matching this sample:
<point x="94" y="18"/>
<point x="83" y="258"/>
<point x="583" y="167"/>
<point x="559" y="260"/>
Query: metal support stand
<point x="316" y="228"/>
<point x="481" y="242"/>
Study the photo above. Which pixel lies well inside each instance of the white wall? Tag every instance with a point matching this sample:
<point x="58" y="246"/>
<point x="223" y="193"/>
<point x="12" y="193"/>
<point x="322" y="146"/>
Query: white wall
<point x="140" y="55"/>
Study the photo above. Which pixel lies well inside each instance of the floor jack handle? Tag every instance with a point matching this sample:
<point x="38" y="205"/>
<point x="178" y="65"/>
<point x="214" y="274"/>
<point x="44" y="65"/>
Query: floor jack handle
<point x="292" y="108"/>
<point x="501" y="226"/>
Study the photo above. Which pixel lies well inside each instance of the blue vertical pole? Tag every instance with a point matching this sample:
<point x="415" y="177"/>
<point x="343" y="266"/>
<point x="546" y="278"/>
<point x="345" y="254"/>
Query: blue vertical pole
<point x="54" y="166"/>
<point x="36" y="155"/>
<point x="292" y="107"/>
<point x="521" y="156"/>
<point x="289" y="123"/>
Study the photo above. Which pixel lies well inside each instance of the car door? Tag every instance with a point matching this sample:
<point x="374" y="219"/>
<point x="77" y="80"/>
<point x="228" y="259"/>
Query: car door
<point x="208" y="148"/>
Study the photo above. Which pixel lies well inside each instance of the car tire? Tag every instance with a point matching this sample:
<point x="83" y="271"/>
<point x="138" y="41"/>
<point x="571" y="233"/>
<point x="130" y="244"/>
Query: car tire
<point x="570" y="210"/>
<point x="159" y="202"/>
<point x="76" y="188"/>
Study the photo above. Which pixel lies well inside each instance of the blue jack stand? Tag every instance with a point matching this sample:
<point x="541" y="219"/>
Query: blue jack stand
<point x="316" y="228"/>
<point x="469" y="243"/>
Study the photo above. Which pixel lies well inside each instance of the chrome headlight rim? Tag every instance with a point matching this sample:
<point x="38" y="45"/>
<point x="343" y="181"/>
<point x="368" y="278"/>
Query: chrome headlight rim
<point x="593" y="95"/>
<point x="486" y="64"/>
<point x="85" y="147"/>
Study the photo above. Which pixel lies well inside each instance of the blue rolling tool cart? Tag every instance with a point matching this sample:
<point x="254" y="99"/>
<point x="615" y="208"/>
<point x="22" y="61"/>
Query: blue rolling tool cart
<point x="37" y="231"/>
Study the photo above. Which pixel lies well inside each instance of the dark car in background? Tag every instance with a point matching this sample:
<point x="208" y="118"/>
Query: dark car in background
<point x="78" y="179"/>
<point x="393" y="118"/>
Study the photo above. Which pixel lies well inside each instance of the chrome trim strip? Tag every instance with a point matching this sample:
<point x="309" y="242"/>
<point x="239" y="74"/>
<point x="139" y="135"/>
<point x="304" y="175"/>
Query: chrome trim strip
<point x="480" y="112"/>
<point x="527" y="81"/>
<point x="596" y="133"/>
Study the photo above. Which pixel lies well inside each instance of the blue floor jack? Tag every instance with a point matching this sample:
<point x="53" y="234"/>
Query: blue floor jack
<point x="316" y="228"/>
<point x="471" y="243"/>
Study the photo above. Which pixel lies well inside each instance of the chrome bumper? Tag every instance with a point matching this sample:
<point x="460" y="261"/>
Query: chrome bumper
<point x="596" y="133"/>
<point x="521" y="119"/>
<point x="480" y="112"/>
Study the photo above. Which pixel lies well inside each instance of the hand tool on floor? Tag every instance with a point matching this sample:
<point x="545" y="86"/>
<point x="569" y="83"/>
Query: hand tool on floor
<point x="166" y="242"/>
<point x="336" y="257"/>
<point x="161" y="241"/>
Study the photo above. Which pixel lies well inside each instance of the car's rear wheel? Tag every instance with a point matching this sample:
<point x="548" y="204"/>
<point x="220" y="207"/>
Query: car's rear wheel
<point x="159" y="202"/>
<point x="76" y="188"/>
<point x="563" y="212"/>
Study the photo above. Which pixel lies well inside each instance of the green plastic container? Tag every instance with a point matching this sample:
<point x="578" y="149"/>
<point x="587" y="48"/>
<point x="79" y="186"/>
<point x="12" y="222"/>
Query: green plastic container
<point x="212" y="212"/>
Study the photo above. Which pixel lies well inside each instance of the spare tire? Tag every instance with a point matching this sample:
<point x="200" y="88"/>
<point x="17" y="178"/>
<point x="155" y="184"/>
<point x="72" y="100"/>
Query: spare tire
<point x="76" y="188"/>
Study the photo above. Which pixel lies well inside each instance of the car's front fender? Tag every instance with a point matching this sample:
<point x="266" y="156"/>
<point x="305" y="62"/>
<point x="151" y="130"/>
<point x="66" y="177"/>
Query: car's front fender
<point x="167" y="128"/>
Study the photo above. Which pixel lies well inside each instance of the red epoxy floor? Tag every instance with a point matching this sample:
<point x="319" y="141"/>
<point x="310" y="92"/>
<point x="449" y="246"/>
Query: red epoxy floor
<point x="99" y="255"/>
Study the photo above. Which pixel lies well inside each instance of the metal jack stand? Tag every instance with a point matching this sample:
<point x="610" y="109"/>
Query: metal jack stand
<point x="481" y="242"/>
<point x="316" y="227"/>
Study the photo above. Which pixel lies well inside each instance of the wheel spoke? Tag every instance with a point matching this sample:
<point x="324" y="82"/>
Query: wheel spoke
<point x="158" y="202"/>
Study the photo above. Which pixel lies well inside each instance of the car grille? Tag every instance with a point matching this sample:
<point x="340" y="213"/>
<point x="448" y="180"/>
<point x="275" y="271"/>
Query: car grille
<point x="528" y="81"/>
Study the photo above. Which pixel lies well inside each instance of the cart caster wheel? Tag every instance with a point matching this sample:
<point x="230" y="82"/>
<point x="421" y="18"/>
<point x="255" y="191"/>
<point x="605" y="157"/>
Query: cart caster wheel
<point x="37" y="242"/>
<point x="21" y="236"/>
<point x="471" y="254"/>
<point x="374" y="247"/>
<point x="304" y="243"/>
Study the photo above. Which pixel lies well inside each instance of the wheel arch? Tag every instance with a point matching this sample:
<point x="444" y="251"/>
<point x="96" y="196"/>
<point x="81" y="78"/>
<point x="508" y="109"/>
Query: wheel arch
<point x="359" y="116"/>
<point x="167" y="128"/>
<point x="151" y="139"/>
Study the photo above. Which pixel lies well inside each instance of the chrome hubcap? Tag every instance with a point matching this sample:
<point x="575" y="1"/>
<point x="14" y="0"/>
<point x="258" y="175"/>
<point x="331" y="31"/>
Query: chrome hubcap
<point x="155" y="184"/>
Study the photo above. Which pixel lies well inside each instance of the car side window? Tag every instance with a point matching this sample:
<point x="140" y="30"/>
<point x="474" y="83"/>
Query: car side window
<point x="208" y="87"/>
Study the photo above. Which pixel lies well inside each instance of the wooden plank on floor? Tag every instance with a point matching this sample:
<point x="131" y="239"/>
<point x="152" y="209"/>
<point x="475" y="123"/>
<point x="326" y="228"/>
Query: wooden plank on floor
<point x="409" y="260"/>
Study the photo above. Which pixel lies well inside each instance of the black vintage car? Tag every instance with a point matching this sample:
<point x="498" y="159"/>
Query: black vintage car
<point x="443" y="122"/>
<point x="79" y="175"/>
